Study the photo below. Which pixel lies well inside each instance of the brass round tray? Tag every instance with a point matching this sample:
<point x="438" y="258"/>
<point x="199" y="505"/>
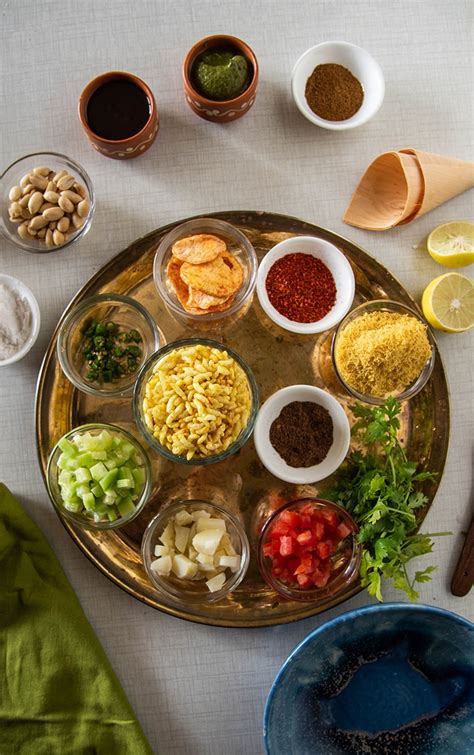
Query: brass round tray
<point x="278" y="359"/>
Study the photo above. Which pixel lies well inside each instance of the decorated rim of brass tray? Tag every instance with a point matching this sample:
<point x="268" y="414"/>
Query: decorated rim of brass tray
<point x="60" y="407"/>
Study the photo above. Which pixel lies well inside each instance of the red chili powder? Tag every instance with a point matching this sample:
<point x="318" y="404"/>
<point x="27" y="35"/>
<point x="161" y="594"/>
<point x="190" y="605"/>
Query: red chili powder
<point x="301" y="287"/>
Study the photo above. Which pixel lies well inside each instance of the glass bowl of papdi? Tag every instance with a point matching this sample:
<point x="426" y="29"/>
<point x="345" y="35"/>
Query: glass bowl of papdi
<point x="195" y="401"/>
<point x="47" y="202"/>
<point x="98" y="476"/>
<point x="308" y="550"/>
<point x="195" y="552"/>
<point x="103" y="342"/>
<point x="205" y="270"/>
<point x="383" y="348"/>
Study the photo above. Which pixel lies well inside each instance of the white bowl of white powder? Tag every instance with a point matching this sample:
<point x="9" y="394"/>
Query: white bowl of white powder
<point x="19" y="320"/>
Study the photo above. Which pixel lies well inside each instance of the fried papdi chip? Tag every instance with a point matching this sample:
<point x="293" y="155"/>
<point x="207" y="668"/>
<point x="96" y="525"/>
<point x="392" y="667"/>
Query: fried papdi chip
<point x="198" y="249"/>
<point x="236" y="268"/>
<point x="178" y="285"/>
<point x="201" y="300"/>
<point x="215" y="278"/>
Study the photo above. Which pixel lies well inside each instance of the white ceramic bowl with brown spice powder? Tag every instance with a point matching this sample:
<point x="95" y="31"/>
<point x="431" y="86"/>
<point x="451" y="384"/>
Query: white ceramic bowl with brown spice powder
<point x="355" y="60"/>
<point x="383" y="348"/>
<point x="272" y="459"/>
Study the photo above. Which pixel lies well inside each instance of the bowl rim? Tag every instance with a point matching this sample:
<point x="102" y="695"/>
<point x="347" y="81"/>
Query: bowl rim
<point x="280" y="469"/>
<point x="349" y="616"/>
<point x="84" y="176"/>
<point x="22" y="289"/>
<point x="67" y="324"/>
<point x="77" y="519"/>
<point x="219" y="226"/>
<point x="175" y="506"/>
<point x="94" y="84"/>
<point x="353" y="121"/>
<point x="245" y="434"/>
<point x="391" y="305"/>
<point x="336" y="313"/>
<point x="212" y="41"/>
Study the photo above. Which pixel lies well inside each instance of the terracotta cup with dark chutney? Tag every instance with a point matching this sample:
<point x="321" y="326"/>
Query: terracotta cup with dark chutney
<point x="220" y="111"/>
<point x="118" y="112"/>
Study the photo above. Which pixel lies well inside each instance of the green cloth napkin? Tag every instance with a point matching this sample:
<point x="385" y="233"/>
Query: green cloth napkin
<point x="58" y="692"/>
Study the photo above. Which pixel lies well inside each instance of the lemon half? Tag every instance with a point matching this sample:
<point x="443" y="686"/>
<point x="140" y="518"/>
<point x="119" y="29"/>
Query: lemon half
<point x="448" y="303"/>
<point x="452" y="244"/>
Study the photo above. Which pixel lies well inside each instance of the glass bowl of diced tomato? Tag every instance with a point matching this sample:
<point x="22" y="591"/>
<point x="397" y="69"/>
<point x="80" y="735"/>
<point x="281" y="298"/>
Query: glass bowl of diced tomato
<point x="308" y="550"/>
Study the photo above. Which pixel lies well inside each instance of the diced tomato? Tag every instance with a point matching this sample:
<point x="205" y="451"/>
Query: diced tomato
<point x="343" y="530"/>
<point x="301" y="544"/>
<point x="286" y="545"/>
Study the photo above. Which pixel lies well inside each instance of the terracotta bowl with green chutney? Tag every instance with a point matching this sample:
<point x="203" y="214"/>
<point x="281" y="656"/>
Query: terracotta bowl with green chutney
<point x="220" y="75"/>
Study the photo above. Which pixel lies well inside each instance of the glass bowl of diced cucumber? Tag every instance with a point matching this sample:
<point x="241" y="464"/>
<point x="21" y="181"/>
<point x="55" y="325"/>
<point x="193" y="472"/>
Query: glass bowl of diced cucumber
<point x="195" y="552"/>
<point x="103" y="342"/>
<point x="99" y="476"/>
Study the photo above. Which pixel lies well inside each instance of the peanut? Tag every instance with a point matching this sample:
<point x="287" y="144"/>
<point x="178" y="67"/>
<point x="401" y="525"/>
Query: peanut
<point x="63" y="224"/>
<point x="39" y="182"/>
<point x="14" y="194"/>
<point x="49" y="238"/>
<point x="83" y="208"/>
<point x="35" y="202"/>
<point x="41" y="171"/>
<point x="53" y="213"/>
<point x="51" y="196"/>
<point x="23" y="231"/>
<point x="37" y="223"/>
<point x="72" y="196"/>
<point x="58" y="237"/>
<point x="65" y="182"/>
<point x="66" y="204"/>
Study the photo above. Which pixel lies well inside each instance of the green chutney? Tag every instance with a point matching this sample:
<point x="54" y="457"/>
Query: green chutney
<point x="221" y="74"/>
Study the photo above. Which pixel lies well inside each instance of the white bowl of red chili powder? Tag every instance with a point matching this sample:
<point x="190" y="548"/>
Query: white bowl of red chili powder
<point x="305" y="285"/>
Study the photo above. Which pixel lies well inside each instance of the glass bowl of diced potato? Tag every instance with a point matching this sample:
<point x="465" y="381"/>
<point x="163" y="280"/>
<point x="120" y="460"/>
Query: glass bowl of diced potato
<point x="195" y="552"/>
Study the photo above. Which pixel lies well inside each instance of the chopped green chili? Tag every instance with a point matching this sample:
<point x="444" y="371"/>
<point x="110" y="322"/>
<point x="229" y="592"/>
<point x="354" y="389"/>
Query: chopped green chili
<point x="110" y="352"/>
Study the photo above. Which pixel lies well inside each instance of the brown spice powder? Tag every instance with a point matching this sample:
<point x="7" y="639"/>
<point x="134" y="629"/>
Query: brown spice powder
<point x="302" y="433"/>
<point x="333" y="93"/>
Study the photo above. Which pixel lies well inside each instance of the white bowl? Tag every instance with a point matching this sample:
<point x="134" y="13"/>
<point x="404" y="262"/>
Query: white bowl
<point x="19" y="287"/>
<point x="272" y="460"/>
<point x="333" y="259"/>
<point x="359" y="62"/>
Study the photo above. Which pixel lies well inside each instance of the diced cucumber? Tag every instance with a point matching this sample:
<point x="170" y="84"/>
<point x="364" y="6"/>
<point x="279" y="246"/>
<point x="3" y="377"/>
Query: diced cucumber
<point x="127" y="449"/>
<point x="76" y="508"/>
<point x="125" y="473"/>
<point x="98" y="471"/>
<point x="125" y="506"/>
<point x="125" y="483"/>
<point x="68" y="448"/>
<point x="83" y="474"/>
<point x="112" y="514"/>
<point x="97" y="491"/>
<point x="86" y="460"/>
<point x="111" y="464"/>
<point x="63" y="462"/>
<point x="99" y="455"/>
<point x="82" y="489"/>
<point x="139" y="476"/>
<point x="110" y="498"/>
<point x="108" y="480"/>
<point x="65" y="478"/>
<point x="89" y="502"/>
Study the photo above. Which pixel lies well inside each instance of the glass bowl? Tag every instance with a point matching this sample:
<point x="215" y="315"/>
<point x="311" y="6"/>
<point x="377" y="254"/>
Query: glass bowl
<point x="384" y="305"/>
<point x="188" y="590"/>
<point x="82" y="519"/>
<point x="127" y="313"/>
<point x="345" y="561"/>
<point x="237" y="243"/>
<point x="12" y="176"/>
<point x="139" y="394"/>
<point x="22" y="291"/>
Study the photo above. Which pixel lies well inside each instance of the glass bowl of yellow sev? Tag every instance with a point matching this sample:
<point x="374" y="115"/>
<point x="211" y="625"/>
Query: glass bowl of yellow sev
<point x="196" y="401"/>
<point x="383" y="348"/>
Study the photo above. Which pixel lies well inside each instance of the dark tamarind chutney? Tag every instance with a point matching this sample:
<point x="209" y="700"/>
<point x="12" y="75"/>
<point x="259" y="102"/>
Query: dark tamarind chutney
<point x="117" y="110"/>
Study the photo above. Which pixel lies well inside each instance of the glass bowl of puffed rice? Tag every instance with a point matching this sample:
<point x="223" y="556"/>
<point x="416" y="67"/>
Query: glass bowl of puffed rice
<point x="196" y="401"/>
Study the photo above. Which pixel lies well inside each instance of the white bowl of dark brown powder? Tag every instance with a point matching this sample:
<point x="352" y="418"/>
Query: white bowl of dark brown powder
<point x="19" y="320"/>
<point x="337" y="85"/>
<point x="302" y="434"/>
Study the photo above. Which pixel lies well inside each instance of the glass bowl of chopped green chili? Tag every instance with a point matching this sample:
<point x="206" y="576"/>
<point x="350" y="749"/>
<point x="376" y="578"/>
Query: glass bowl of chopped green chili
<point x="104" y="341"/>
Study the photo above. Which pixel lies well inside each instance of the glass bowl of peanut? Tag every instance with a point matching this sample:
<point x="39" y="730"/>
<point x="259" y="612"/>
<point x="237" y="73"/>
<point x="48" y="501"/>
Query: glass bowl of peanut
<point x="47" y="202"/>
<point x="196" y="401"/>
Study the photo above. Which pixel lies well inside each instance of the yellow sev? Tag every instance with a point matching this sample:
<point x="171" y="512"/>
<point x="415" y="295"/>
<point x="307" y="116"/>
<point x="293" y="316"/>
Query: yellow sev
<point x="382" y="352"/>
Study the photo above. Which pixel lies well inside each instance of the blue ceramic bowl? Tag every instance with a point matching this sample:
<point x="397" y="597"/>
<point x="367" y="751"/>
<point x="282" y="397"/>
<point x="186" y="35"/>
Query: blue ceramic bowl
<point x="393" y="678"/>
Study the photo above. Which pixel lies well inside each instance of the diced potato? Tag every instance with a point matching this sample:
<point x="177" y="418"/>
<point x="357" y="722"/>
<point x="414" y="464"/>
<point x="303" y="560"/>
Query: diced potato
<point x="210" y="524"/>
<point x="162" y="566"/>
<point x="181" y="537"/>
<point x="226" y="544"/>
<point x="192" y="553"/>
<point x="229" y="561"/>
<point x="216" y="583"/>
<point x="167" y="537"/>
<point x="183" y="567"/>
<point x="183" y="518"/>
<point x="207" y="541"/>
<point x="161" y="550"/>
<point x="200" y="515"/>
<point x="203" y="558"/>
